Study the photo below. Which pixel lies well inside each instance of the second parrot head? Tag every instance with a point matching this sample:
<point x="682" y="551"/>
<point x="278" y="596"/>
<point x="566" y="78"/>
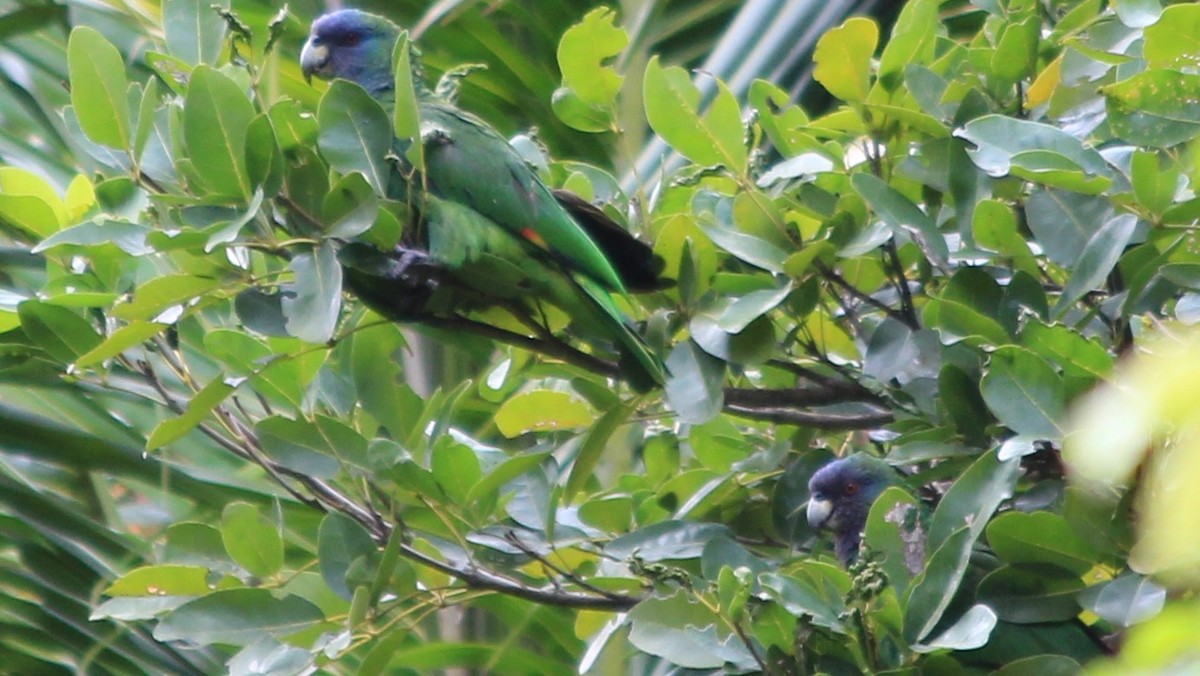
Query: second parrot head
<point x="352" y="45"/>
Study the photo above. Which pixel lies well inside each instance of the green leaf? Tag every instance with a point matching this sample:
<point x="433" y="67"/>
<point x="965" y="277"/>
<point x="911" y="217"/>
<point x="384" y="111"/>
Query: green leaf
<point x="666" y="540"/>
<point x="967" y="308"/>
<point x="194" y="30"/>
<point x="672" y="109"/>
<point x="974" y="497"/>
<point x="582" y="52"/>
<point x="1031" y="594"/>
<point x="969" y="632"/>
<point x="1125" y="601"/>
<point x="312" y="313"/>
<point x="98" y="87"/>
<point x="815" y="590"/>
<point x="1063" y="222"/>
<point x="238" y="617"/>
<point x="216" y="116"/>
<point x="356" y="134"/>
<point x="126" y="236"/>
<point x="62" y="333"/>
<point x="753" y="250"/>
<point x="162" y="580"/>
<point x="198" y="408"/>
<point x="160" y="293"/>
<point x="580" y="114"/>
<point x="685" y="633"/>
<point x="251" y="539"/>
<point x="1077" y="356"/>
<point x="894" y="530"/>
<point x="302" y="446"/>
<point x="1025" y="393"/>
<point x="541" y="411"/>
<point x="30" y="204"/>
<point x="456" y="468"/>
<point x="902" y="215"/>
<point x="754" y="344"/>
<point x="406" y="116"/>
<point x="912" y="42"/>
<point x="843" y="59"/>
<point x="933" y="590"/>
<point x="1035" y="151"/>
<point x="378" y="379"/>
<point x="122" y="339"/>
<point x="995" y="228"/>
<point x="1099" y="257"/>
<point x="264" y="160"/>
<point x="146" y="116"/>
<point x="1040" y="665"/>
<point x="1172" y="40"/>
<point x="340" y="541"/>
<point x="693" y="389"/>
<point x="1040" y="538"/>
<point x="592" y="448"/>
<point x="1154" y="186"/>
<point x="195" y="544"/>
<point x="1156" y="108"/>
<point x="350" y="208"/>
<point x="505" y="472"/>
<point x="1016" y="54"/>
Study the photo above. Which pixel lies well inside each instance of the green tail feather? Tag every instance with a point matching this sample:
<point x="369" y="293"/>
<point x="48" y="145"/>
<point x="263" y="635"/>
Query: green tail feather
<point x="648" y="370"/>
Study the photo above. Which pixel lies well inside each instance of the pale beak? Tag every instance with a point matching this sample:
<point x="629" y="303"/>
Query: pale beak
<point x="312" y="59"/>
<point x="818" y="512"/>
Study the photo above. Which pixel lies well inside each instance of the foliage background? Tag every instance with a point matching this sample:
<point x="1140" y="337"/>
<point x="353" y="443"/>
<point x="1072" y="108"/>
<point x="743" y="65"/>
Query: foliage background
<point x="205" y="450"/>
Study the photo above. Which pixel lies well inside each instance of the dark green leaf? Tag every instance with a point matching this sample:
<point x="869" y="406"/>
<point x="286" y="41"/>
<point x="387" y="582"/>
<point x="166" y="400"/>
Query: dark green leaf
<point x="313" y="313"/>
<point x="356" y="134"/>
<point x="1025" y="393"/>
<point x="238" y="617"/>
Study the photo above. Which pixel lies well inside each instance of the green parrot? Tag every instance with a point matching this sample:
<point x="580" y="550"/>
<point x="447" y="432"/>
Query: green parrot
<point x="490" y="233"/>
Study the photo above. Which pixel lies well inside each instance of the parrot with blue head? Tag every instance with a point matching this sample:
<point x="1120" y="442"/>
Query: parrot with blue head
<point x="492" y="230"/>
<point x="840" y="497"/>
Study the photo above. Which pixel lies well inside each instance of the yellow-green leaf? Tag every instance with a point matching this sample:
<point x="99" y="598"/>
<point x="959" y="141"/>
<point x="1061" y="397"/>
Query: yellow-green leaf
<point x="201" y="404"/>
<point x="672" y="109"/>
<point x="160" y="293"/>
<point x="122" y="339"/>
<point x="843" y="59"/>
<point x="98" y="87"/>
<point x="216" y="115"/>
<point x="29" y="204"/>
<point x="541" y="411"/>
<point x="582" y="52"/>
<point x="163" y="580"/>
<point x="406" y="118"/>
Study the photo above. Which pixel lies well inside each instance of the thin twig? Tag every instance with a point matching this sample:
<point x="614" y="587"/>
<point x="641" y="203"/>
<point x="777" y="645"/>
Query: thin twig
<point x="901" y="282"/>
<point x="855" y="292"/>
<point x="550" y="348"/>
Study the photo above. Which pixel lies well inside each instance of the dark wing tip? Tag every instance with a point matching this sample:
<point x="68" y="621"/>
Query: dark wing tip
<point x="635" y="262"/>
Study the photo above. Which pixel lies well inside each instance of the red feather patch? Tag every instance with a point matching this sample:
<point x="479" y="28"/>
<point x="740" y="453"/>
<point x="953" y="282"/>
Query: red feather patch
<point x="531" y="235"/>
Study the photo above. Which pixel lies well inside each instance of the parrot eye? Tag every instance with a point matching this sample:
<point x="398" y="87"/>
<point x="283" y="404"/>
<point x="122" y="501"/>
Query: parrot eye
<point x="851" y="488"/>
<point x="352" y="39"/>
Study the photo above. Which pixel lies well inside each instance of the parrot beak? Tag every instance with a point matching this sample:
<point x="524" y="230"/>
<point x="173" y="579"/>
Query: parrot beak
<point x="313" y="58"/>
<point x="818" y="511"/>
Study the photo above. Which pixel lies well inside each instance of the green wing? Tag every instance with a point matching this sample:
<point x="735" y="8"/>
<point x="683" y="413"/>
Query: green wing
<point x="467" y="162"/>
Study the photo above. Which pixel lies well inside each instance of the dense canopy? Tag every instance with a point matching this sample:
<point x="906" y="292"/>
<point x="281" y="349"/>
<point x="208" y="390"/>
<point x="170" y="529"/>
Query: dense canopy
<point x="290" y="380"/>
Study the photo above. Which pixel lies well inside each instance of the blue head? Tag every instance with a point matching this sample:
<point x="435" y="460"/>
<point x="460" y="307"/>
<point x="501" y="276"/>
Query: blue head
<point x="351" y="45"/>
<point x="840" y="497"/>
